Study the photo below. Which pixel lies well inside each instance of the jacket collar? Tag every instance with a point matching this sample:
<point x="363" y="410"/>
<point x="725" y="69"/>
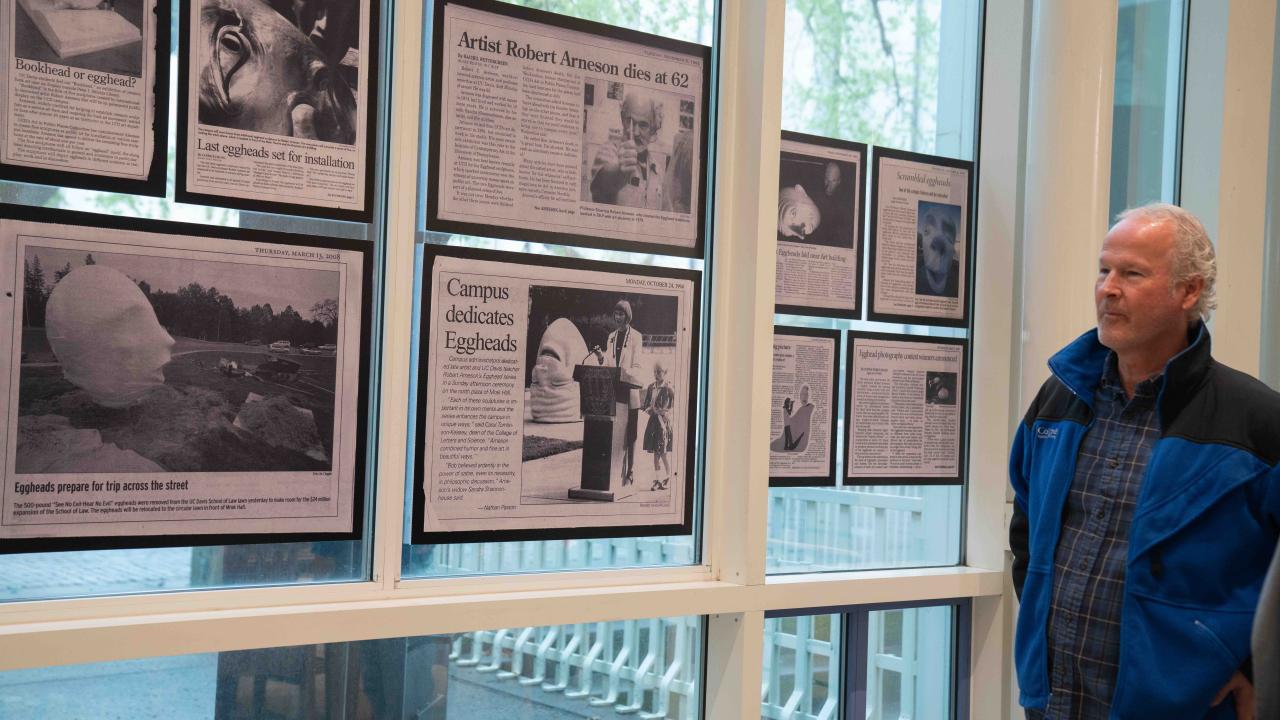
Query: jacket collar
<point x="1080" y="364"/>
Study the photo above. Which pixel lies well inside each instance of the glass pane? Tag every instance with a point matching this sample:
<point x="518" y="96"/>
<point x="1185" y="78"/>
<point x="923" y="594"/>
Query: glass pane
<point x="901" y="74"/>
<point x="910" y="660"/>
<point x="863" y="527"/>
<point x="1150" y="39"/>
<point x="689" y="20"/>
<point x="801" y="674"/>
<point x="600" y="670"/>
<point x="105" y="572"/>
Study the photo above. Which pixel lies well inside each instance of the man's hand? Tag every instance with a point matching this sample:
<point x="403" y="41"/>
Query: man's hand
<point x="1246" y="703"/>
<point x="628" y="158"/>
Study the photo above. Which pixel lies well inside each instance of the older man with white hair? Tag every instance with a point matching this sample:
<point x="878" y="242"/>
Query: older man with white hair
<point x="624" y="172"/>
<point x="1147" y="483"/>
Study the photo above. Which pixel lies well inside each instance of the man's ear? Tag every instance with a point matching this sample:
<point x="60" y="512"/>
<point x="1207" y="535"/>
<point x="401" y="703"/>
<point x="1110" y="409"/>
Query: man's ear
<point x="1191" y="287"/>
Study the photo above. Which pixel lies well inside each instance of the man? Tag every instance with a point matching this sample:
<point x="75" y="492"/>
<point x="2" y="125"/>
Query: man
<point x="625" y="173"/>
<point x="836" y="206"/>
<point x="622" y="350"/>
<point x="1147" y="497"/>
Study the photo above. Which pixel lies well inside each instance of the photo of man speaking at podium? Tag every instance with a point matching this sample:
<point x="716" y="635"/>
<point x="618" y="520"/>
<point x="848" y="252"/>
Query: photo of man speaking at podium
<point x="590" y="363"/>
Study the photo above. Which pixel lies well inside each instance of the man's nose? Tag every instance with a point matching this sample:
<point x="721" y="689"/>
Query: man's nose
<point x="1107" y="284"/>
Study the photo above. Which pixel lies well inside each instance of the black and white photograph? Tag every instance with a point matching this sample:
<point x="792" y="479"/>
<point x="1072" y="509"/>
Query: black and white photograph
<point x="554" y="397"/>
<point x="637" y="150"/>
<point x="80" y="85"/>
<point x="802" y="442"/>
<point x="100" y="35"/>
<point x="940" y="388"/>
<point x="554" y="129"/>
<point x="135" y="363"/>
<point x="270" y="67"/>
<point x="820" y="185"/>
<point x="155" y="382"/>
<point x="633" y="332"/>
<point x="921" y="249"/>
<point x="904" y="409"/>
<point x="937" y="263"/>
<point x="817" y="200"/>
<point x="276" y="104"/>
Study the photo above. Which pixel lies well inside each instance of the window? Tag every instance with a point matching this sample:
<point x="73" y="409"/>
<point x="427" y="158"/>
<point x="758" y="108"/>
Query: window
<point x="899" y="75"/>
<point x="878" y="662"/>
<point x="280" y="629"/>
<point x="1146" y="125"/>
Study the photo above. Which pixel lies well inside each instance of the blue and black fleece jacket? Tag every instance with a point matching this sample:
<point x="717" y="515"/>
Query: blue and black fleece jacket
<point x="1203" y="532"/>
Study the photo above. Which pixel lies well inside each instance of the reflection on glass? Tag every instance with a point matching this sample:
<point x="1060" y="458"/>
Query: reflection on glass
<point x="645" y="668"/>
<point x="1146" y="119"/>
<point x="801" y="677"/>
<point x="909" y="663"/>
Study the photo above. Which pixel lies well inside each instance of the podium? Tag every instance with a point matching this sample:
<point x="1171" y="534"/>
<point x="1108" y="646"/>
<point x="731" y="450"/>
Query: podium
<point x="605" y="401"/>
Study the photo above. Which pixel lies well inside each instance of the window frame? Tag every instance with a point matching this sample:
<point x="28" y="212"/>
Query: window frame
<point x="729" y="586"/>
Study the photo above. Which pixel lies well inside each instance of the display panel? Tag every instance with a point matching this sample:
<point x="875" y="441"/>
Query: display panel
<point x="277" y="105"/>
<point x="921" y="239"/>
<point x="84" y="90"/>
<point x="553" y="129"/>
<point x="555" y="398"/>
<point x="166" y="388"/>
<point x="820" y="188"/>
<point x="905" y="413"/>
<point x="802" y="434"/>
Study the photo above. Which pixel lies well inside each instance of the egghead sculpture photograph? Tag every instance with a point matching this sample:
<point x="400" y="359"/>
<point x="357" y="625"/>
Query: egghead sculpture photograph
<point x="289" y="70"/>
<point x="136" y="363"/>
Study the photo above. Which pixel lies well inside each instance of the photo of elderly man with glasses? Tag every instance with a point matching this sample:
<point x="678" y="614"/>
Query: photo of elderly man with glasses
<point x="629" y="169"/>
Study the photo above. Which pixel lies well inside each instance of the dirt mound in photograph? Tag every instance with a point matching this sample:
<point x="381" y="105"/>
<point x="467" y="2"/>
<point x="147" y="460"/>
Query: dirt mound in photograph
<point x="277" y="422"/>
<point x="49" y="444"/>
<point x="187" y="429"/>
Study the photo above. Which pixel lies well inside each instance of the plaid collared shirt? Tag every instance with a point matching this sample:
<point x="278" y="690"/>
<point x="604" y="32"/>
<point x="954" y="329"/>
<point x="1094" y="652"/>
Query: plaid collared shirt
<point x="1089" y="565"/>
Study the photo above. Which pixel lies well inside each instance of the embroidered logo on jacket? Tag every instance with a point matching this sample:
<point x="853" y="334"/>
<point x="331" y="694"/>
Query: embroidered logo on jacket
<point x="1047" y="433"/>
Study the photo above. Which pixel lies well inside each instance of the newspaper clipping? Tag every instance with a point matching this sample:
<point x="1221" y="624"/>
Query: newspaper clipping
<point x="904" y="409"/>
<point x="176" y="385"/>
<point x="555" y="395"/>
<point x="819" y="225"/>
<point x="541" y="129"/>
<point x="275" y="102"/>
<point x="920" y="257"/>
<point x="77" y="86"/>
<point x="801" y="434"/>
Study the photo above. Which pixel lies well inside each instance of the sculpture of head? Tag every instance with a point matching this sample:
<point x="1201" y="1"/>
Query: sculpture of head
<point x="553" y="393"/>
<point x="106" y="335"/>
<point x="798" y="216"/>
<point x="261" y="73"/>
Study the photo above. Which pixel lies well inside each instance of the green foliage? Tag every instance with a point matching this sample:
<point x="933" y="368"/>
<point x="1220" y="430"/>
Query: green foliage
<point x="863" y="70"/>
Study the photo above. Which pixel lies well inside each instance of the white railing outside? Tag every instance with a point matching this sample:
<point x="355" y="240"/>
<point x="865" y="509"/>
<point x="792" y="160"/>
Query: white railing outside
<point x="645" y="666"/>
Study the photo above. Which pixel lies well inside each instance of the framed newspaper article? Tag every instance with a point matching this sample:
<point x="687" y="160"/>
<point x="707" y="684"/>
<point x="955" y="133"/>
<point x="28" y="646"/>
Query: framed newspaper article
<point x="552" y="129"/>
<point x="84" y="94"/>
<point x="802" y="429"/>
<point x="820" y="190"/>
<point x="277" y="105"/>
<point x="555" y="398"/>
<point x="921" y="239"/>
<point x="164" y="384"/>
<point x="905" y="408"/>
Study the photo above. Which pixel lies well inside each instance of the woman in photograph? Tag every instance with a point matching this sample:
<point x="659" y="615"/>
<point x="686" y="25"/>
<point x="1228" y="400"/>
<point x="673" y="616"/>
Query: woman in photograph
<point x="623" y="352"/>
<point x="658" y="400"/>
